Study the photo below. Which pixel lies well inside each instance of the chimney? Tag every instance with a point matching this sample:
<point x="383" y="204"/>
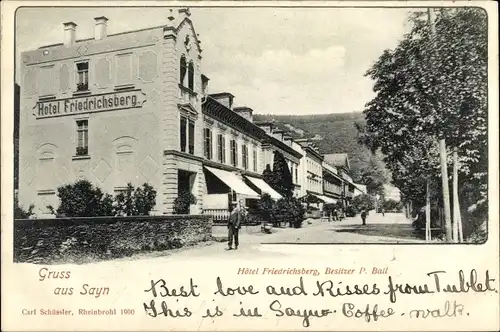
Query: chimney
<point x="100" y="27"/>
<point x="184" y="12"/>
<point x="245" y="112"/>
<point x="69" y="33"/>
<point x="225" y="98"/>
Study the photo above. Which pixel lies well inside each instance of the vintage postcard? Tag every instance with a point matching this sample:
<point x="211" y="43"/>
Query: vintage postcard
<point x="249" y="166"/>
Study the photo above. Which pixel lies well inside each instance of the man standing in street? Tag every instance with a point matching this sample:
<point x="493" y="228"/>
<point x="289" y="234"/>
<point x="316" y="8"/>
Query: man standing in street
<point x="233" y="226"/>
<point x="363" y="216"/>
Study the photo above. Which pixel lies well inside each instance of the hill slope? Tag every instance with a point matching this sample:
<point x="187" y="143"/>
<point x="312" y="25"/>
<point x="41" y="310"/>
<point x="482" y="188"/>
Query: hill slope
<point x="337" y="134"/>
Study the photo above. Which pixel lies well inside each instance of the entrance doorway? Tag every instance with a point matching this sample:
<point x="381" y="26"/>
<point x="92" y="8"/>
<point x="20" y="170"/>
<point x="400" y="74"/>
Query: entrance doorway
<point x="185" y="197"/>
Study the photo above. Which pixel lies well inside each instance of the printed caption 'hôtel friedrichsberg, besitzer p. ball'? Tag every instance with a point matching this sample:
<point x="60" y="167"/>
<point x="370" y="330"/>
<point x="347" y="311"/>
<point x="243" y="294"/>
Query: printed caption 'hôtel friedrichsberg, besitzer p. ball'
<point x="133" y="107"/>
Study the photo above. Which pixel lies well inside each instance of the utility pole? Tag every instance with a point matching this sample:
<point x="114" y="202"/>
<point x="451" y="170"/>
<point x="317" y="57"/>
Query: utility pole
<point x="442" y="153"/>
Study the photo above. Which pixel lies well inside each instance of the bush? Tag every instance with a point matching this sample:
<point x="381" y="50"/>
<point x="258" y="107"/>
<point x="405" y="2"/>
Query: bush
<point x="350" y="211"/>
<point x="267" y="207"/>
<point x="19" y="212"/>
<point x="82" y="199"/>
<point x="183" y="201"/>
<point x="135" y="201"/>
<point x="289" y="210"/>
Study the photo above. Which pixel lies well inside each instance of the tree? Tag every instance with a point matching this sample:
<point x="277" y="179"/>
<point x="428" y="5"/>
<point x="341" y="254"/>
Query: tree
<point x="433" y="86"/>
<point x="280" y="178"/>
<point x="268" y="176"/>
<point x="391" y="205"/>
<point x="82" y="199"/>
<point x="363" y="201"/>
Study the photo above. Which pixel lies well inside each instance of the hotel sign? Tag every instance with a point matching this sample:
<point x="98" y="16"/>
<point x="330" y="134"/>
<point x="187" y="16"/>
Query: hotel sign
<point x="89" y="104"/>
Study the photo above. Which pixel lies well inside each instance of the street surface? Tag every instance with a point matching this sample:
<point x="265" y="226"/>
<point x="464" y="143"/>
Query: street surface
<point x="392" y="228"/>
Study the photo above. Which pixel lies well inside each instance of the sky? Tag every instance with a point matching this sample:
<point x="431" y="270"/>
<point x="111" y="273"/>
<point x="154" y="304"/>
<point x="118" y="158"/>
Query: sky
<point x="273" y="60"/>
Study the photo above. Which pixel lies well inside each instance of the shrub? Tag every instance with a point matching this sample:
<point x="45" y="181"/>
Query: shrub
<point x="289" y="210"/>
<point x="267" y="207"/>
<point x="19" y="212"/>
<point x="82" y="199"/>
<point x="350" y="211"/>
<point x="183" y="201"/>
<point x="135" y="201"/>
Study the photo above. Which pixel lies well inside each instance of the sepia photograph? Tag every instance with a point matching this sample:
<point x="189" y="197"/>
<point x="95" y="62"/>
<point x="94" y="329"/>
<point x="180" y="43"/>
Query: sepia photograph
<point x="143" y="130"/>
<point x="250" y="166"/>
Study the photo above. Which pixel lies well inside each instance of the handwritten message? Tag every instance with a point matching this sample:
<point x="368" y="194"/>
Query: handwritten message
<point x="165" y="299"/>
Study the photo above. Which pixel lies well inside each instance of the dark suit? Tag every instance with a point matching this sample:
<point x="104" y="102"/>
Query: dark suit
<point x="233" y="227"/>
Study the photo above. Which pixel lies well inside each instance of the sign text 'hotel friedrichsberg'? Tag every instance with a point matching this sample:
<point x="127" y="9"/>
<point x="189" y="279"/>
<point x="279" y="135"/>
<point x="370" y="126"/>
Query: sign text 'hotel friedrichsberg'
<point x="89" y="104"/>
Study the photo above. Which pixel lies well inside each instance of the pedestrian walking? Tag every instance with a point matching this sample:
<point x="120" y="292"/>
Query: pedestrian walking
<point x="383" y="211"/>
<point x="335" y="215"/>
<point x="234" y="225"/>
<point x="364" y="213"/>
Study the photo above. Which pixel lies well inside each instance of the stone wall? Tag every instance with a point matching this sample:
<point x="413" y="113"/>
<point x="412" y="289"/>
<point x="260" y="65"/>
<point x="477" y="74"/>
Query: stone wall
<point x="81" y="240"/>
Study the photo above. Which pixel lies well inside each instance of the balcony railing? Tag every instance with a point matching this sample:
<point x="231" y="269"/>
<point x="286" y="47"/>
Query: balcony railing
<point x="82" y="151"/>
<point x="82" y="87"/>
<point x="187" y="95"/>
<point x="334" y="190"/>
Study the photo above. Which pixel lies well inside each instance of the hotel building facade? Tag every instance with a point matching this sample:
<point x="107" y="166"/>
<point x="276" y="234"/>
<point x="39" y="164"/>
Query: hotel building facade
<point x="133" y="107"/>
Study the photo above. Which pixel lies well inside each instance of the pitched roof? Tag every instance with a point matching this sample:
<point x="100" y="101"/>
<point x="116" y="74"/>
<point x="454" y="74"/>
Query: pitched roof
<point x="337" y="159"/>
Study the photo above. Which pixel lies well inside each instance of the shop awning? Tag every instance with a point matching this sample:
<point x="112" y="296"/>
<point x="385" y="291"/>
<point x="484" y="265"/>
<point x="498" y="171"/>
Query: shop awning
<point x="327" y="199"/>
<point x="233" y="182"/>
<point x="264" y="187"/>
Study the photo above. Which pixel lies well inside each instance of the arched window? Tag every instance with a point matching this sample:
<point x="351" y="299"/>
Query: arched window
<point x="183" y="68"/>
<point x="191" y="76"/>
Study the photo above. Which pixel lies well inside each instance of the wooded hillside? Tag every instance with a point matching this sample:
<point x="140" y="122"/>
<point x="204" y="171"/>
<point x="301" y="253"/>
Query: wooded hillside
<point x="337" y="134"/>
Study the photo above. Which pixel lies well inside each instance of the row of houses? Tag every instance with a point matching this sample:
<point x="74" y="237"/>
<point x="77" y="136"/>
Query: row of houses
<point x="135" y="107"/>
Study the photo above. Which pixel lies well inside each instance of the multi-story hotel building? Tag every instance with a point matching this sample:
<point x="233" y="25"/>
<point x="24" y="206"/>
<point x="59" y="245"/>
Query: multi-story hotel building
<point x="311" y="166"/>
<point x="332" y="183"/>
<point x="132" y="107"/>
<point x="341" y="162"/>
<point x="112" y="109"/>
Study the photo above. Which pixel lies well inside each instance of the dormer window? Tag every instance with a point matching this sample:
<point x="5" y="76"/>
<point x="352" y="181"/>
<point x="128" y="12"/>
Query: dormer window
<point x="82" y="70"/>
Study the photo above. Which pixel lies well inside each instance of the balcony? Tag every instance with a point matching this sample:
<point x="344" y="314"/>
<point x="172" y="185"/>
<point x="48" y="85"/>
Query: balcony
<point x="332" y="189"/>
<point x="186" y="95"/>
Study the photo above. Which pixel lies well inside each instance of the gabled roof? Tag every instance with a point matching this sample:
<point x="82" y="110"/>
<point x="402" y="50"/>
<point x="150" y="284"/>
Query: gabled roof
<point x="337" y="159"/>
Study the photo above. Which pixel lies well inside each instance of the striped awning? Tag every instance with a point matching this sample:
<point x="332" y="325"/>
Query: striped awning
<point x="233" y="182"/>
<point x="264" y="187"/>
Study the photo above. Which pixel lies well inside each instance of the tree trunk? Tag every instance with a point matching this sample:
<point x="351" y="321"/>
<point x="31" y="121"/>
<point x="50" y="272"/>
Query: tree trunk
<point x="456" y="207"/>
<point x="460" y="231"/>
<point x="427" y="212"/>
<point x="446" y="190"/>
